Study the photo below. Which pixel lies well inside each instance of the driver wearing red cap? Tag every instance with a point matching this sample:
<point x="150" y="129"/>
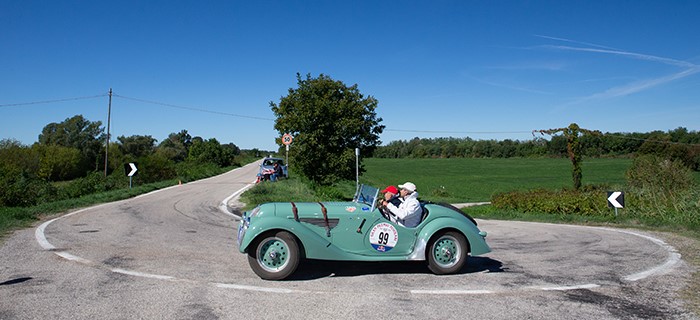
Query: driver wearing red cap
<point x="391" y="195"/>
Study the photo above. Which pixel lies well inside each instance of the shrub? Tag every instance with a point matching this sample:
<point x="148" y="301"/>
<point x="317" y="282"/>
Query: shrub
<point x="664" y="190"/>
<point x="92" y="183"/>
<point x="156" y="167"/>
<point x="190" y="170"/>
<point x="18" y="188"/>
<point x="660" y="177"/>
<point x="588" y="201"/>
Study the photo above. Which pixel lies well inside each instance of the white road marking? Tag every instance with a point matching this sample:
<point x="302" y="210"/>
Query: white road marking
<point x="142" y="274"/>
<point x="254" y="288"/>
<point x="448" y="291"/>
<point x="68" y="256"/>
<point x="673" y="258"/>
<point x="223" y="206"/>
<point x="575" y="287"/>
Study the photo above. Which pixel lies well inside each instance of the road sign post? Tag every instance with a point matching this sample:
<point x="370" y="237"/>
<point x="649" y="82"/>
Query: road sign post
<point x="287" y="140"/>
<point x="130" y="170"/>
<point x="616" y="199"/>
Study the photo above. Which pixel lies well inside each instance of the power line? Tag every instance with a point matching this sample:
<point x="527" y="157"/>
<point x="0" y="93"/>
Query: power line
<point x="51" y="101"/>
<point x="192" y="108"/>
<point x="269" y="119"/>
<point x="460" y="132"/>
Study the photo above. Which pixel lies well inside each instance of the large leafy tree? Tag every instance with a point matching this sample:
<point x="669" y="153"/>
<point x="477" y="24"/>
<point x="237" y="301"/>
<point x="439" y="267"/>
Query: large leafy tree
<point x="136" y="146"/>
<point x="328" y="121"/>
<point x="79" y="133"/>
<point x="210" y="151"/>
<point x="177" y="146"/>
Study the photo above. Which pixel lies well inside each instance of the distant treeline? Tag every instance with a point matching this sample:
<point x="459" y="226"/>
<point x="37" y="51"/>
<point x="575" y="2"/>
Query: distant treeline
<point x="678" y="144"/>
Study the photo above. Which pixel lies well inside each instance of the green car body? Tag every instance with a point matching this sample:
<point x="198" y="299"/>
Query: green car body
<point x="276" y="235"/>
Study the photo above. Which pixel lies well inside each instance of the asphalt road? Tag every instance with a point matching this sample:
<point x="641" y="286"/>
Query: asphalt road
<point x="172" y="254"/>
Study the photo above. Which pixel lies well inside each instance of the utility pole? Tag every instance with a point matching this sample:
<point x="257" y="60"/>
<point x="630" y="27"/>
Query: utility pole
<point x="109" y="118"/>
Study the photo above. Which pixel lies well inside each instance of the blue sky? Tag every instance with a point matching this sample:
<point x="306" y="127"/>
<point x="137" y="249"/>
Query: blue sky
<point x="479" y="69"/>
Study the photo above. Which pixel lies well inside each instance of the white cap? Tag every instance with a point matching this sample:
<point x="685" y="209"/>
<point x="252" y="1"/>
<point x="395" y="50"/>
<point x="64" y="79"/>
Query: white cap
<point x="408" y="186"/>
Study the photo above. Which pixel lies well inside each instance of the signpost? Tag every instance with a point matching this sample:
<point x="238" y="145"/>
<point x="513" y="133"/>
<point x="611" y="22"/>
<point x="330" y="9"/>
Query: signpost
<point x="287" y="140"/>
<point x="130" y="170"/>
<point x="616" y="199"/>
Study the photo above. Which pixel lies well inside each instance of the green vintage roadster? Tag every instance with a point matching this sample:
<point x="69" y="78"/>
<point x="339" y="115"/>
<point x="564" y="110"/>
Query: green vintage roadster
<point x="277" y="235"/>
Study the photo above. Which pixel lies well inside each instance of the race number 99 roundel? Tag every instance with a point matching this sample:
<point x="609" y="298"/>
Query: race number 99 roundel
<point x="383" y="237"/>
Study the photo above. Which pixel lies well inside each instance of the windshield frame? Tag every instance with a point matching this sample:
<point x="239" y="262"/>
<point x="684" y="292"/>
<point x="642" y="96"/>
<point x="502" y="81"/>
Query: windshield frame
<point x="367" y="194"/>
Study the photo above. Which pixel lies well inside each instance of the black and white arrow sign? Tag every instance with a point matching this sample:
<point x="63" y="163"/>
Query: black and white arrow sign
<point x="616" y="199"/>
<point x="130" y="169"/>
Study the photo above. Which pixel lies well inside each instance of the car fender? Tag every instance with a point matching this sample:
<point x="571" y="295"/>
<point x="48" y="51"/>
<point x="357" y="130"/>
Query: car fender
<point x="475" y="237"/>
<point x="314" y="245"/>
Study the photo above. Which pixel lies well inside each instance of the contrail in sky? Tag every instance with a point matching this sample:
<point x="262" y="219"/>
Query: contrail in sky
<point x="634" y="87"/>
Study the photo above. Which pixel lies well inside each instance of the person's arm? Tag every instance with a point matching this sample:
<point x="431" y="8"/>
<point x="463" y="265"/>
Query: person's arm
<point x="404" y="211"/>
<point x="396" y="200"/>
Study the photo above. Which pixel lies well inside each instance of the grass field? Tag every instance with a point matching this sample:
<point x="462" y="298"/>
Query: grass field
<point x="475" y="180"/>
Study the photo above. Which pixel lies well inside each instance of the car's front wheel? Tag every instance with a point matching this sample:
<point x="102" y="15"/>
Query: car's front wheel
<point x="447" y="253"/>
<point x="274" y="256"/>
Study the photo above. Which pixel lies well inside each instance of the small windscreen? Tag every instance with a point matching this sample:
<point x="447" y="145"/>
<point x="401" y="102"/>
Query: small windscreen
<point x="367" y="195"/>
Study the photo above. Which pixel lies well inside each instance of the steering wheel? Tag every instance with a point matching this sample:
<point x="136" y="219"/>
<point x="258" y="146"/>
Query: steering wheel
<point x="384" y="211"/>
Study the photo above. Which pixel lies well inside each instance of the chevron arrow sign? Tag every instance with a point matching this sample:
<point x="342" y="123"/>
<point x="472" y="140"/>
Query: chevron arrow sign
<point x="616" y="199"/>
<point x="130" y="169"/>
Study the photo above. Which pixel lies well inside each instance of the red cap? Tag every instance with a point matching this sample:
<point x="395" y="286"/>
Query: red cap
<point x="391" y="189"/>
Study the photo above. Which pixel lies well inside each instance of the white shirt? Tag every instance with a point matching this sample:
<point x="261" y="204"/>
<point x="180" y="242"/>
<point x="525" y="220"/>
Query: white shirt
<point x="408" y="213"/>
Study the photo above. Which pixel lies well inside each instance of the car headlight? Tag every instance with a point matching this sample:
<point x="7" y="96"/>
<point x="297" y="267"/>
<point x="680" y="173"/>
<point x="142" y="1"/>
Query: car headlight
<point x="252" y="213"/>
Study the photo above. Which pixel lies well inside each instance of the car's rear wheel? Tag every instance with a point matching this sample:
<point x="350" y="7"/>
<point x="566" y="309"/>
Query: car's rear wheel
<point x="447" y="253"/>
<point x="274" y="256"/>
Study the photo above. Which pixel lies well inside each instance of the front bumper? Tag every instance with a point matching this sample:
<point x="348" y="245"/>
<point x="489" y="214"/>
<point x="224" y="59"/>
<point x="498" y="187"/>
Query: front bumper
<point x="242" y="228"/>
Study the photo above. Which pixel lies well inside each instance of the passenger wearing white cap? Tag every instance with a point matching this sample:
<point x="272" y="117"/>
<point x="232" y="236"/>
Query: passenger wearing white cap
<point x="408" y="213"/>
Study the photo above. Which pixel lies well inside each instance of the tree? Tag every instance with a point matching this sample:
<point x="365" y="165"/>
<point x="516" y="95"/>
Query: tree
<point x="328" y="121"/>
<point x="137" y="146"/>
<point x="79" y="133"/>
<point x="57" y="163"/>
<point x="177" y="146"/>
<point x="210" y="151"/>
<point x="573" y="147"/>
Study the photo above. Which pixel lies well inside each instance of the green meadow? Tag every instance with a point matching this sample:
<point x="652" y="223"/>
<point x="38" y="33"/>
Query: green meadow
<point x="457" y="180"/>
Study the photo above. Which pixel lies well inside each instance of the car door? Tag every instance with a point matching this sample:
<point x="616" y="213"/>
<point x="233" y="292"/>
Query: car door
<point x="384" y="237"/>
<point x="370" y="234"/>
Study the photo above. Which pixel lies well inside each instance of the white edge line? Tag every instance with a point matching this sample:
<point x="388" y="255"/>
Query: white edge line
<point x="142" y="274"/>
<point x="673" y="256"/>
<point x="40" y="235"/>
<point x="68" y="256"/>
<point x="223" y="206"/>
<point x="582" y="286"/>
<point x="254" y="288"/>
<point x="461" y="292"/>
